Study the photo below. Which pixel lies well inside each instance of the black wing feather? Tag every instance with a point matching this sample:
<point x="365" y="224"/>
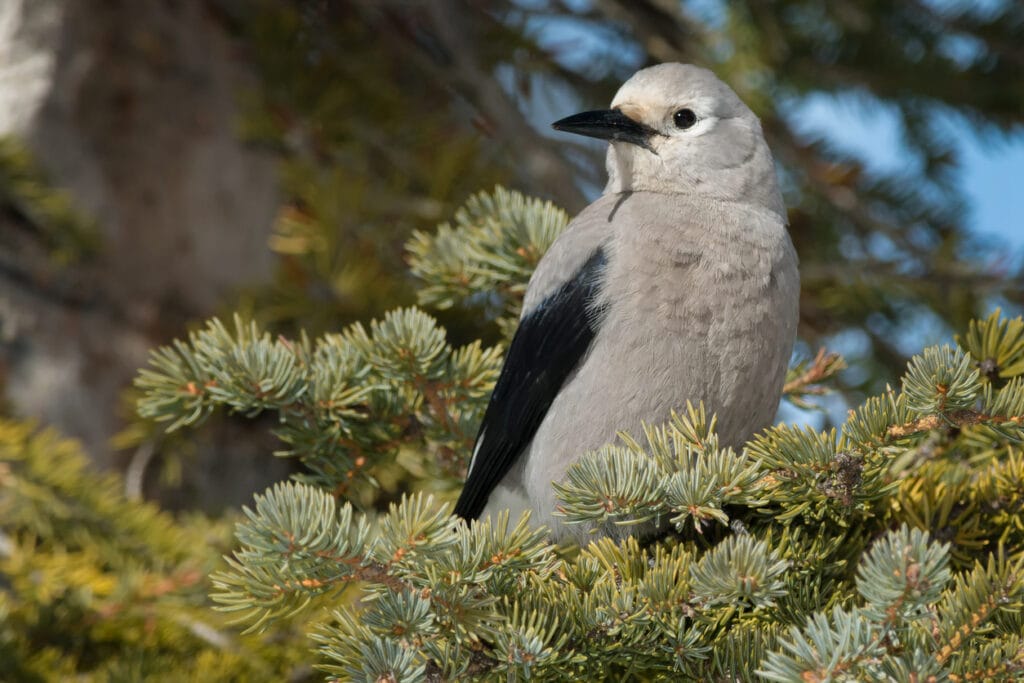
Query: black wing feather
<point x="548" y="345"/>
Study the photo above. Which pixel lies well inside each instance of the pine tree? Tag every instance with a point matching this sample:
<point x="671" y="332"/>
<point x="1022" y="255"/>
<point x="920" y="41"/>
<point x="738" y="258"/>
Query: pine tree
<point x="891" y="548"/>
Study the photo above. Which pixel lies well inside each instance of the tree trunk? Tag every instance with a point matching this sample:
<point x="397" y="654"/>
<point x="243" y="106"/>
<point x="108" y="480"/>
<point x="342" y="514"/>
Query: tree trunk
<point x="130" y="106"/>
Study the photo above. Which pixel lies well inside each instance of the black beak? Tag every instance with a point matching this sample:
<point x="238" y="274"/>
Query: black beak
<point x="607" y="124"/>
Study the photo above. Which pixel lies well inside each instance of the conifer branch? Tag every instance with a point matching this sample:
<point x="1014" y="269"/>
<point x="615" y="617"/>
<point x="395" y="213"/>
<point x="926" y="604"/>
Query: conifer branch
<point x="957" y="419"/>
<point x="346" y="402"/>
<point x="496" y="242"/>
<point x="806" y="555"/>
<point x="805" y="379"/>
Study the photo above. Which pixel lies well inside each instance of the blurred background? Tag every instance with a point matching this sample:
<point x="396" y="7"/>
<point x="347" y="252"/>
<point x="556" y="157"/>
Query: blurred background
<point x="162" y="161"/>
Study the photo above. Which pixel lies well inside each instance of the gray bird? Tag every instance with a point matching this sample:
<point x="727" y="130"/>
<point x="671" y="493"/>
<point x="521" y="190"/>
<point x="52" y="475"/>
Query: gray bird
<point x="679" y="284"/>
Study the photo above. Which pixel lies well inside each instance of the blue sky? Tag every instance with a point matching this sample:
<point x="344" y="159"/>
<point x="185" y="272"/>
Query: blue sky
<point x="993" y="176"/>
<point x="992" y="167"/>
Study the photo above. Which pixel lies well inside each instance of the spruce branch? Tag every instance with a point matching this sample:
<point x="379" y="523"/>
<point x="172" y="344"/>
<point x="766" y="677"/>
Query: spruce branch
<point x="297" y="544"/>
<point x="617" y="485"/>
<point x="739" y="571"/>
<point x="1001" y="410"/>
<point x="805" y="379"/>
<point x="812" y="474"/>
<point x="957" y="419"/>
<point x="997" y="346"/>
<point x="843" y="646"/>
<point x="679" y="474"/>
<point x="940" y="380"/>
<point x="531" y="640"/>
<point x="488" y="255"/>
<point x="902" y="576"/>
<point x="346" y="402"/>
<point x="972" y="601"/>
<point x="357" y="653"/>
<point x="713" y="481"/>
<point x="426" y="576"/>
<point x="1000" y="660"/>
<point x="869" y="425"/>
<point x="47" y="491"/>
<point x="793" y="531"/>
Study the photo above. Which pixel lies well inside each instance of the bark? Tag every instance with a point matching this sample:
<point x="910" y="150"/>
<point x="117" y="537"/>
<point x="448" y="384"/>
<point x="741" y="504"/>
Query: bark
<point x="132" y="107"/>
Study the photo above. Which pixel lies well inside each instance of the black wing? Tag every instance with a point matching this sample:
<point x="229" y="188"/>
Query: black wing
<point x="548" y="345"/>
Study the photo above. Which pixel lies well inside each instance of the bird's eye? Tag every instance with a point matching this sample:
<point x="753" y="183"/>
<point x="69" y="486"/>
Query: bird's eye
<point x="684" y="118"/>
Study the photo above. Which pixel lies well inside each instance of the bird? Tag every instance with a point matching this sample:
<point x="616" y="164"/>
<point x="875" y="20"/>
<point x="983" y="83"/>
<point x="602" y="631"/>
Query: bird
<point x="679" y="283"/>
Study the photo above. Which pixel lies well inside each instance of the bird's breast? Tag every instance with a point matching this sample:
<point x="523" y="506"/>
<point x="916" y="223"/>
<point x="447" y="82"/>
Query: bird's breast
<point x="701" y="313"/>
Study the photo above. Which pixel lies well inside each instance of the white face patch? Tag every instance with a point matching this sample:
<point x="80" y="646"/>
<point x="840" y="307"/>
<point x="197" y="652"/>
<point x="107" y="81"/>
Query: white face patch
<point x="660" y="117"/>
<point x="719" y="153"/>
<point x="704" y="125"/>
<point x="705" y="107"/>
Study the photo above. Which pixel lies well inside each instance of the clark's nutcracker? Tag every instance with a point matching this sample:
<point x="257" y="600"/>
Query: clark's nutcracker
<point x="679" y="284"/>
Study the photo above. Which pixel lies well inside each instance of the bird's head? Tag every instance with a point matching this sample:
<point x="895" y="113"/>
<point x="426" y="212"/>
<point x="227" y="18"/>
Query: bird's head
<point x="676" y="128"/>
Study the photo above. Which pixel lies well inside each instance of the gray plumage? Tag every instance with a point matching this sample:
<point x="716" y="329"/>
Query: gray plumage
<point x="696" y="298"/>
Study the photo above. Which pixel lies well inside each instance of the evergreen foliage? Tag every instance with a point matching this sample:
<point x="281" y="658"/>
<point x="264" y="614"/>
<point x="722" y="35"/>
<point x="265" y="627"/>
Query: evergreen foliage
<point x="95" y="587"/>
<point x="489" y="254"/>
<point x="889" y="549"/>
<point x="347" y="404"/>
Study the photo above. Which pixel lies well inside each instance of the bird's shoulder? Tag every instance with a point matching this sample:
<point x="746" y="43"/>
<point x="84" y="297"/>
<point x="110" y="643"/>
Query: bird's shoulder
<point x="588" y="232"/>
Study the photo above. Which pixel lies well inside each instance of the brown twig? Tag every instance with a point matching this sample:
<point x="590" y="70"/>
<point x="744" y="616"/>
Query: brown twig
<point x="824" y="366"/>
<point x="959" y="418"/>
